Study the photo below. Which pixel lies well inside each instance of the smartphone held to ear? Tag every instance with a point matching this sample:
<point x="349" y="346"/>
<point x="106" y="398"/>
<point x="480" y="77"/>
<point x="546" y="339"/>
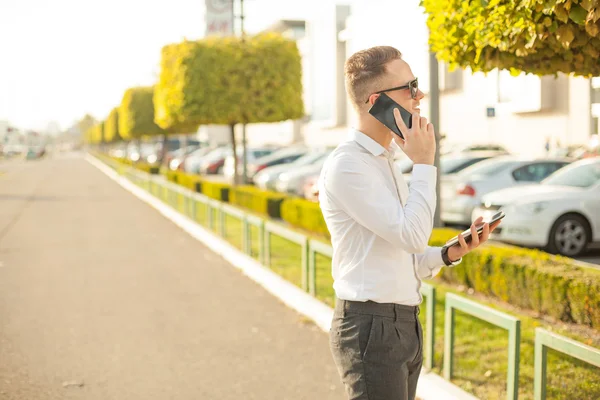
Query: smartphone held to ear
<point x="383" y="110"/>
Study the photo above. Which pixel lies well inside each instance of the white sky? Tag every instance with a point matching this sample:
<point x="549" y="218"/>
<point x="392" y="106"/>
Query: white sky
<point x="61" y="59"/>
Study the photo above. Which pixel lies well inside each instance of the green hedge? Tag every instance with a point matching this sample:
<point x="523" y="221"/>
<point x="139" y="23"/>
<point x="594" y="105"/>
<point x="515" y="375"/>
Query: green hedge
<point x="304" y="214"/>
<point x="216" y="190"/>
<point x="263" y="202"/>
<point x="531" y="279"/>
<point x="192" y="182"/>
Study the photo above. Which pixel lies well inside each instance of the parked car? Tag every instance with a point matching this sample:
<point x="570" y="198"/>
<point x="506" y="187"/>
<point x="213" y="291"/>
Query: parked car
<point x="252" y="154"/>
<point x="191" y="162"/>
<point x="174" y="158"/>
<point x="561" y="214"/>
<point x="450" y="163"/>
<point x="213" y="162"/>
<point x="292" y="182"/>
<point x="282" y="156"/>
<point x="267" y="178"/>
<point x="461" y="193"/>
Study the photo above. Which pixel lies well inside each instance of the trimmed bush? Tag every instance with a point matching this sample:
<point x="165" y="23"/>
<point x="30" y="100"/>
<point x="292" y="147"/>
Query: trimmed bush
<point x="192" y="182"/>
<point x="304" y="214"/>
<point x="252" y="198"/>
<point x="216" y="190"/>
<point x="228" y="81"/>
<point x="533" y="280"/>
<point x="136" y="114"/>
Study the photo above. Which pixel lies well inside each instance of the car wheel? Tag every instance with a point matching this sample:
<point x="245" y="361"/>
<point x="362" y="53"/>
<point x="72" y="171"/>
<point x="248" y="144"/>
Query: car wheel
<point x="569" y="236"/>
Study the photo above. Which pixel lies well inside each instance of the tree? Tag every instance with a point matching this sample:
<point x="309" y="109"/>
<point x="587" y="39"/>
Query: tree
<point x="136" y="116"/>
<point x="229" y="81"/>
<point x="536" y="36"/>
<point x="97" y="133"/>
<point x="85" y="123"/>
<point x="111" y="126"/>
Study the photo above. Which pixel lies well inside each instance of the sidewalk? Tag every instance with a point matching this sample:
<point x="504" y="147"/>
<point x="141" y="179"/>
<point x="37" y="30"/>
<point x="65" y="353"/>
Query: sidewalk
<point x="102" y="298"/>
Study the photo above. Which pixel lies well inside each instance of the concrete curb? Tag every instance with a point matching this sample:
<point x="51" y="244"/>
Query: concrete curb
<point x="430" y="387"/>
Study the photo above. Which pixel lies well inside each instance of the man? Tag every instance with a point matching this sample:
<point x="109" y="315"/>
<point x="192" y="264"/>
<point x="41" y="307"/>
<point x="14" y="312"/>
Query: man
<point x="379" y="231"/>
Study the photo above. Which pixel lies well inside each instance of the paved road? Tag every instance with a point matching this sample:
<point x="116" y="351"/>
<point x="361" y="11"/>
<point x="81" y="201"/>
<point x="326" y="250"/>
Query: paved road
<point x="102" y="298"/>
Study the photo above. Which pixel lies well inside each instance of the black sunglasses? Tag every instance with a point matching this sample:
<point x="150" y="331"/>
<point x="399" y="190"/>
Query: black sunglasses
<point x="412" y="85"/>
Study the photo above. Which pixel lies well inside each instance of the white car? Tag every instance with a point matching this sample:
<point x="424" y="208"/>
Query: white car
<point x="562" y="214"/>
<point x="460" y="194"/>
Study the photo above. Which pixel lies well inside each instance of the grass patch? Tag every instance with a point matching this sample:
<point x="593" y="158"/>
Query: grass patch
<point x="233" y="231"/>
<point x="481" y="356"/>
<point x="285" y="259"/>
<point x="324" y="280"/>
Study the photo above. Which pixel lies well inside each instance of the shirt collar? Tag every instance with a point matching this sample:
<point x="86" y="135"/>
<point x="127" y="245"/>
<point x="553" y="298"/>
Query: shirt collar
<point x="370" y="145"/>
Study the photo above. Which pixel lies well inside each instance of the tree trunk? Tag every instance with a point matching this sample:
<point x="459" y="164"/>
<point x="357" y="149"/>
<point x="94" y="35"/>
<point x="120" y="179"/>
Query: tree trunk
<point x="244" y="156"/>
<point x="234" y="149"/>
<point x="163" y="150"/>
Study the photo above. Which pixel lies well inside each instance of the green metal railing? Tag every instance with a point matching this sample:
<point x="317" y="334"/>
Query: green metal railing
<point x="315" y="247"/>
<point x="428" y="291"/>
<point x="271" y="228"/>
<point x="494" y="317"/>
<point x="545" y="340"/>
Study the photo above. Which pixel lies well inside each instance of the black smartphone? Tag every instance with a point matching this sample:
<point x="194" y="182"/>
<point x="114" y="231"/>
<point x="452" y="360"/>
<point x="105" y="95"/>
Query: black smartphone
<point x="467" y="234"/>
<point x="383" y="110"/>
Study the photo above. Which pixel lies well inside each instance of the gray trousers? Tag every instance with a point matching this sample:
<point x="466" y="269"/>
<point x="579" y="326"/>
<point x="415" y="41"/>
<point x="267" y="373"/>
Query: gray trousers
<point x="377" y="349"/>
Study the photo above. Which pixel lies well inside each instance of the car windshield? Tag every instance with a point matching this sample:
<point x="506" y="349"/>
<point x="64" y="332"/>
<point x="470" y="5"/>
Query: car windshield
<point x="585" y="175"/>
<point x="488" y="167"/>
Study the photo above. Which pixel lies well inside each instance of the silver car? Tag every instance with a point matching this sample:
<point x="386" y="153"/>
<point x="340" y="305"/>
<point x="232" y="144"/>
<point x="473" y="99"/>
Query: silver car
<point x="460" y="194"/>
<point x="268" y="177"/>
<point x="293" y="182"/>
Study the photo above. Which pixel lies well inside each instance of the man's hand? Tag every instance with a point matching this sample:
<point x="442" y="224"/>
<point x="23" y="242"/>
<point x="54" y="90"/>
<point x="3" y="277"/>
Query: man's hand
<point x="419" y="141"/>
<point x="456" y="252"/>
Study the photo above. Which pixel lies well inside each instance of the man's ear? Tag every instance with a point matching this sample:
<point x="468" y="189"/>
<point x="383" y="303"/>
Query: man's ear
<point x="373" y="98"/>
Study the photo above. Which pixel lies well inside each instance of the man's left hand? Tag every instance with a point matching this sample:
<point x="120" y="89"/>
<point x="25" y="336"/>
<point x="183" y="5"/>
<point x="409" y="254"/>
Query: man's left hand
<point x="456" y="252"/>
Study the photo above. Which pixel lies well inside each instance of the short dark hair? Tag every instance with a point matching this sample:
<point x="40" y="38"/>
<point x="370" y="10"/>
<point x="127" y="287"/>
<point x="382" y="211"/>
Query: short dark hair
<point x="364" y="70"/>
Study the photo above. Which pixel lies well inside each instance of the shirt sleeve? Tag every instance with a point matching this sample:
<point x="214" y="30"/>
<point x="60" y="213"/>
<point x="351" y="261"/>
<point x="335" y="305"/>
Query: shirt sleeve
<point x="361" y="192"/>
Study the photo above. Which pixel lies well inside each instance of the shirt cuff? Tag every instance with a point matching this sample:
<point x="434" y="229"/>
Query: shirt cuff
<point x="430" y="262"/>
<point x="424" y="172"/>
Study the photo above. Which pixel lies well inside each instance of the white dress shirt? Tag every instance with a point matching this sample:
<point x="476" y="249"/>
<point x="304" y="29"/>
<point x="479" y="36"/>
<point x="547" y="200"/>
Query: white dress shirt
<point x="379" y="227"/>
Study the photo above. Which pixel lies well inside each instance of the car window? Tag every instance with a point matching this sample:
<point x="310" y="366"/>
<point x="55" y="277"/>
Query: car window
<point x="576" y="175"/>
<point x="536" y="172"/>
